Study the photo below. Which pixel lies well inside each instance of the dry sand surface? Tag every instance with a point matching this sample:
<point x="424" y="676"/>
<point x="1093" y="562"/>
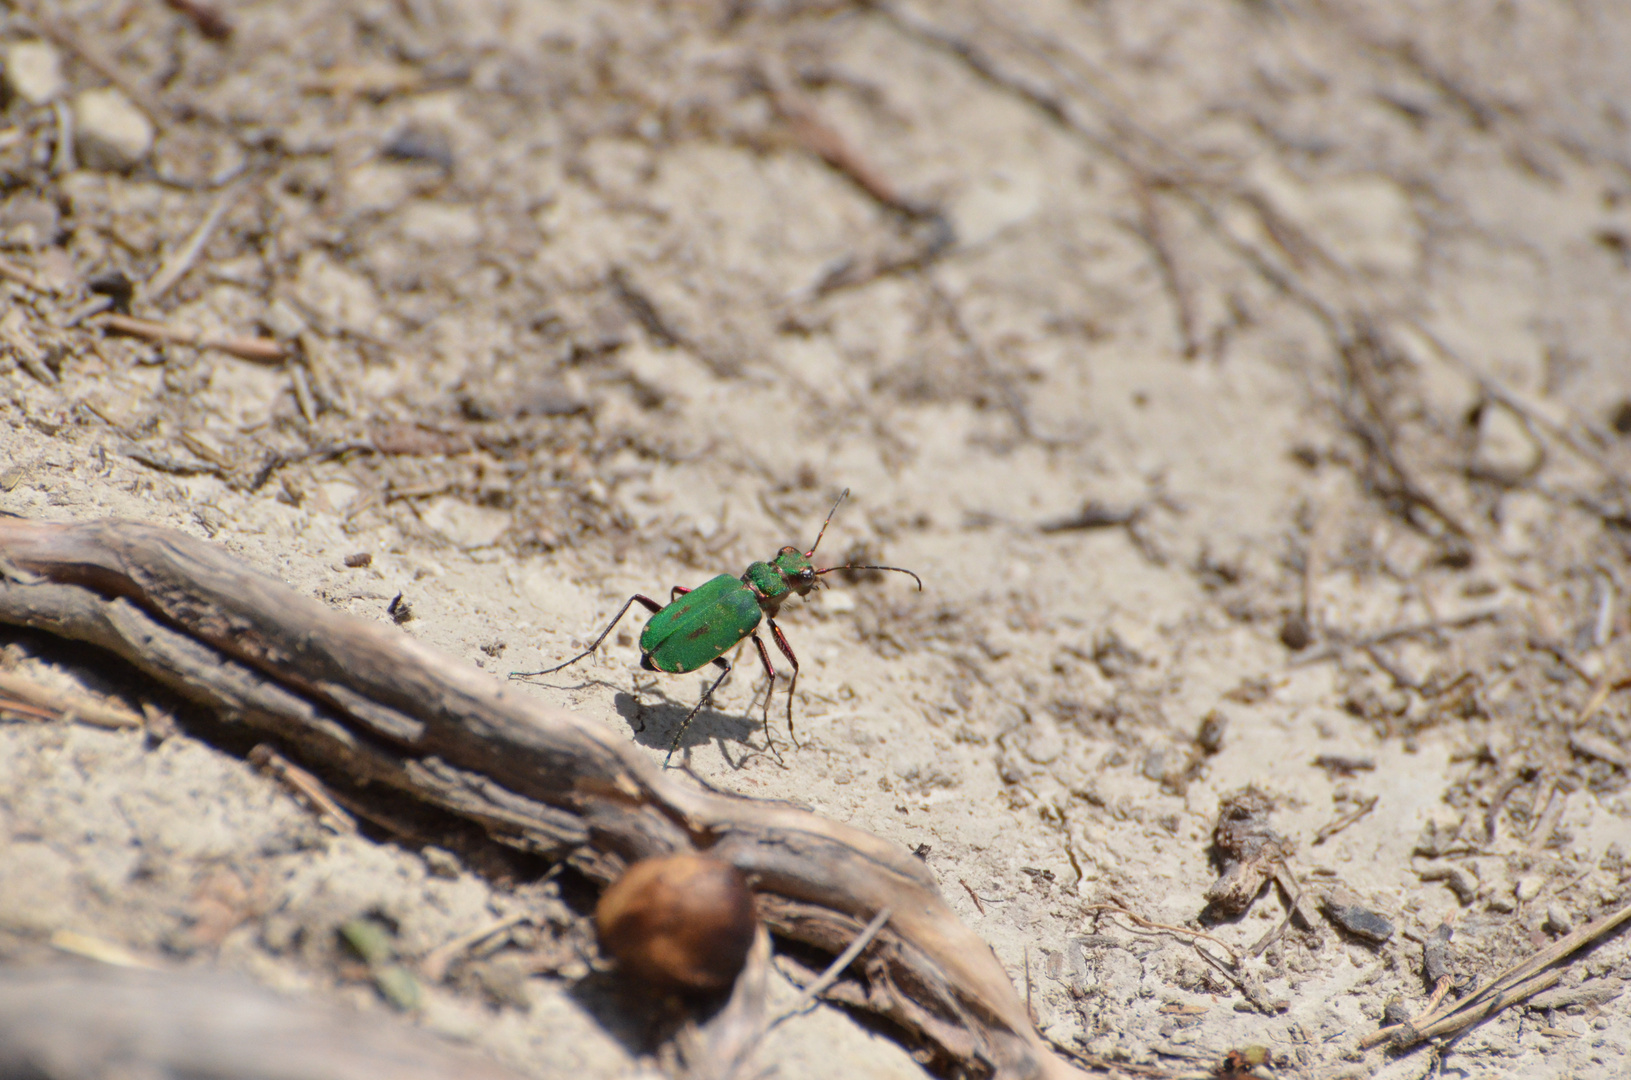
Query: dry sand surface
<point x="1248" y="382"/>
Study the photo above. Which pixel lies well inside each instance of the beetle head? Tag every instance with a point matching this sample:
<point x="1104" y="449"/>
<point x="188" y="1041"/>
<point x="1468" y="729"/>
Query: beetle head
<point x="797" y="568"/>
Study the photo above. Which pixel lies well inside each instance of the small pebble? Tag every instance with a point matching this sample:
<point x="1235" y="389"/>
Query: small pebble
<point x="504" y="979"/>
<point x="1528" y="887"/>
<point x="441" y="862"/>
<point x="420" y="143"/>
<point x="1209" y="737"/>
<point x="113" y="135"/>
<point x="1558" y="920"/>
<point x="1295" y="633"/>
<point x="33" y="71"/>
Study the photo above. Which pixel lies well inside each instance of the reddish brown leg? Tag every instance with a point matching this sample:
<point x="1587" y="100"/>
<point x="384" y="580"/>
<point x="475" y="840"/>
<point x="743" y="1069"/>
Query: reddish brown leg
<point x="770" y="669"/>
<point x="787" y="651"/>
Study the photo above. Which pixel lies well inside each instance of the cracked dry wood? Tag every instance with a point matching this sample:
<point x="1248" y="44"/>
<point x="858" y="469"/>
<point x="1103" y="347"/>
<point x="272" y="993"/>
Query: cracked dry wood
<point x="372" y="702"/>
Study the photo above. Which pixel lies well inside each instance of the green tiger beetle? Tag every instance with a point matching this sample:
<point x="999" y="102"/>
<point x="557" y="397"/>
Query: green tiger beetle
<point x="699" y="625"/>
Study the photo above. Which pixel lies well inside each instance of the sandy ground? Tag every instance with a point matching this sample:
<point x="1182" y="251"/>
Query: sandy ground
<point x="1262" y="362"/>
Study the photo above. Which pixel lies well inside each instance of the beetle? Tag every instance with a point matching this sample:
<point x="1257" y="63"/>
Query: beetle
<point x="698" y="626"/>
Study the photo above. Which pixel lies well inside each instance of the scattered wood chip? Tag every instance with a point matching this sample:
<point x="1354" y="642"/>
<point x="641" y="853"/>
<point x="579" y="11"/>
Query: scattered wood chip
<point x="1349" y="915"/>
<point x="1591" y="744"/>
<point x="99" y="949"/>
<point x="1246" y="849"/>
<point x="1093" y="515"/>
<point x="19" y="340"/>
<point x="259" y="349"/>
<point x="1344" y="764"/>
<point x="412" y="440"/>
<point x="1458" y="878"/>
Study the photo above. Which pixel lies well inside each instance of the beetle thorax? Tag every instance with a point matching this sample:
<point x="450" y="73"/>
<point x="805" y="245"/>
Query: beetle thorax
<point x="773" y="582"/>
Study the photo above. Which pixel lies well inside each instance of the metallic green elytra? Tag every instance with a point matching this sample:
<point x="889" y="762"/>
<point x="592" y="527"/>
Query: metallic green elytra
<point x="698" y="626"/>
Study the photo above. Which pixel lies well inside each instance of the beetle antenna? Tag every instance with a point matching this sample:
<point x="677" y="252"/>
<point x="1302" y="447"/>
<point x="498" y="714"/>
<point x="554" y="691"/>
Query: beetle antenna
<point x="896" y="569"/>
<point x="841" y="497"/>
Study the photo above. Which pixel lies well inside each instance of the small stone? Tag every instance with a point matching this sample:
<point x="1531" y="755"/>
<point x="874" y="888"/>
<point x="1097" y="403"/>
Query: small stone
<point x="34" y="71"/>
<point x="1528" y="887"/>
<point x="1045" y="743"/>
<point x="283" y="321"/>
<point x="1209" y="737"/>
<point x="1347" y="914"/>
<point x="1295" y="633"/>
<point x="30" y="222"/>
<point x="113" y="135"/>
<point x="417" y="142"/>
<point x="1505" y="451"/>
<point x="504" y="979"/>
<point x="440" y="862"/>
<point x="1396" y="1011"/>
<point x="1558" y="920"/>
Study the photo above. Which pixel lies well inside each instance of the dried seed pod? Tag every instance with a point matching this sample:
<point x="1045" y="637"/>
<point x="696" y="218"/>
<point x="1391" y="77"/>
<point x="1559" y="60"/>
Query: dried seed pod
<point x="685" y="921"/>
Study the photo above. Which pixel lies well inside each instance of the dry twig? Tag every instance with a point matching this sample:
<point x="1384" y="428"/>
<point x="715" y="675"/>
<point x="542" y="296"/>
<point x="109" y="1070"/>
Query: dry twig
<point x="1117" y="908"/>
<point x="176" y="265"/>
<point x="1370" y="641"/>
<point x="262" y="350"/>
<point x="1515" y="984"/>
<point x="47" y="704"/>
<point x="836" y="968"/>
<point x="1332" y="828"/>
<point x="306" y="786"/>
<point x="435" y="963"/>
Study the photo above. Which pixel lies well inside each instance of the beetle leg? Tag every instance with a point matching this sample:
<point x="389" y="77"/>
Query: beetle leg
<point x="787" y="651"/>
<point x="707" y="695"/>
<point x="676" y="592"/>
<point x="647" y="601"/>
<point x="770" y="691"/>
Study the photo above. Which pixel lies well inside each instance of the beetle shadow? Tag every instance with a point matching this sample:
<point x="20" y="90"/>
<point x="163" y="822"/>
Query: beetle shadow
<point x="653" y="723"/>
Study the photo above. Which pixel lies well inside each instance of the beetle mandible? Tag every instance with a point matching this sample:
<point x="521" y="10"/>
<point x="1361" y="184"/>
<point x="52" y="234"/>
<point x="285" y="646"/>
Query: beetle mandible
<point x="700" y="625"/>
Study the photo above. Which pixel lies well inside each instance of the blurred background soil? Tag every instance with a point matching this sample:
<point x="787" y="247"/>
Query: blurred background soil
<point x="1249" y="383"/>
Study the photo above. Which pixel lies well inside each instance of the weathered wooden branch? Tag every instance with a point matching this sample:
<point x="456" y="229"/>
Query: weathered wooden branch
<point x="73" y="1021"/>
<point x="367" y="700"/>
